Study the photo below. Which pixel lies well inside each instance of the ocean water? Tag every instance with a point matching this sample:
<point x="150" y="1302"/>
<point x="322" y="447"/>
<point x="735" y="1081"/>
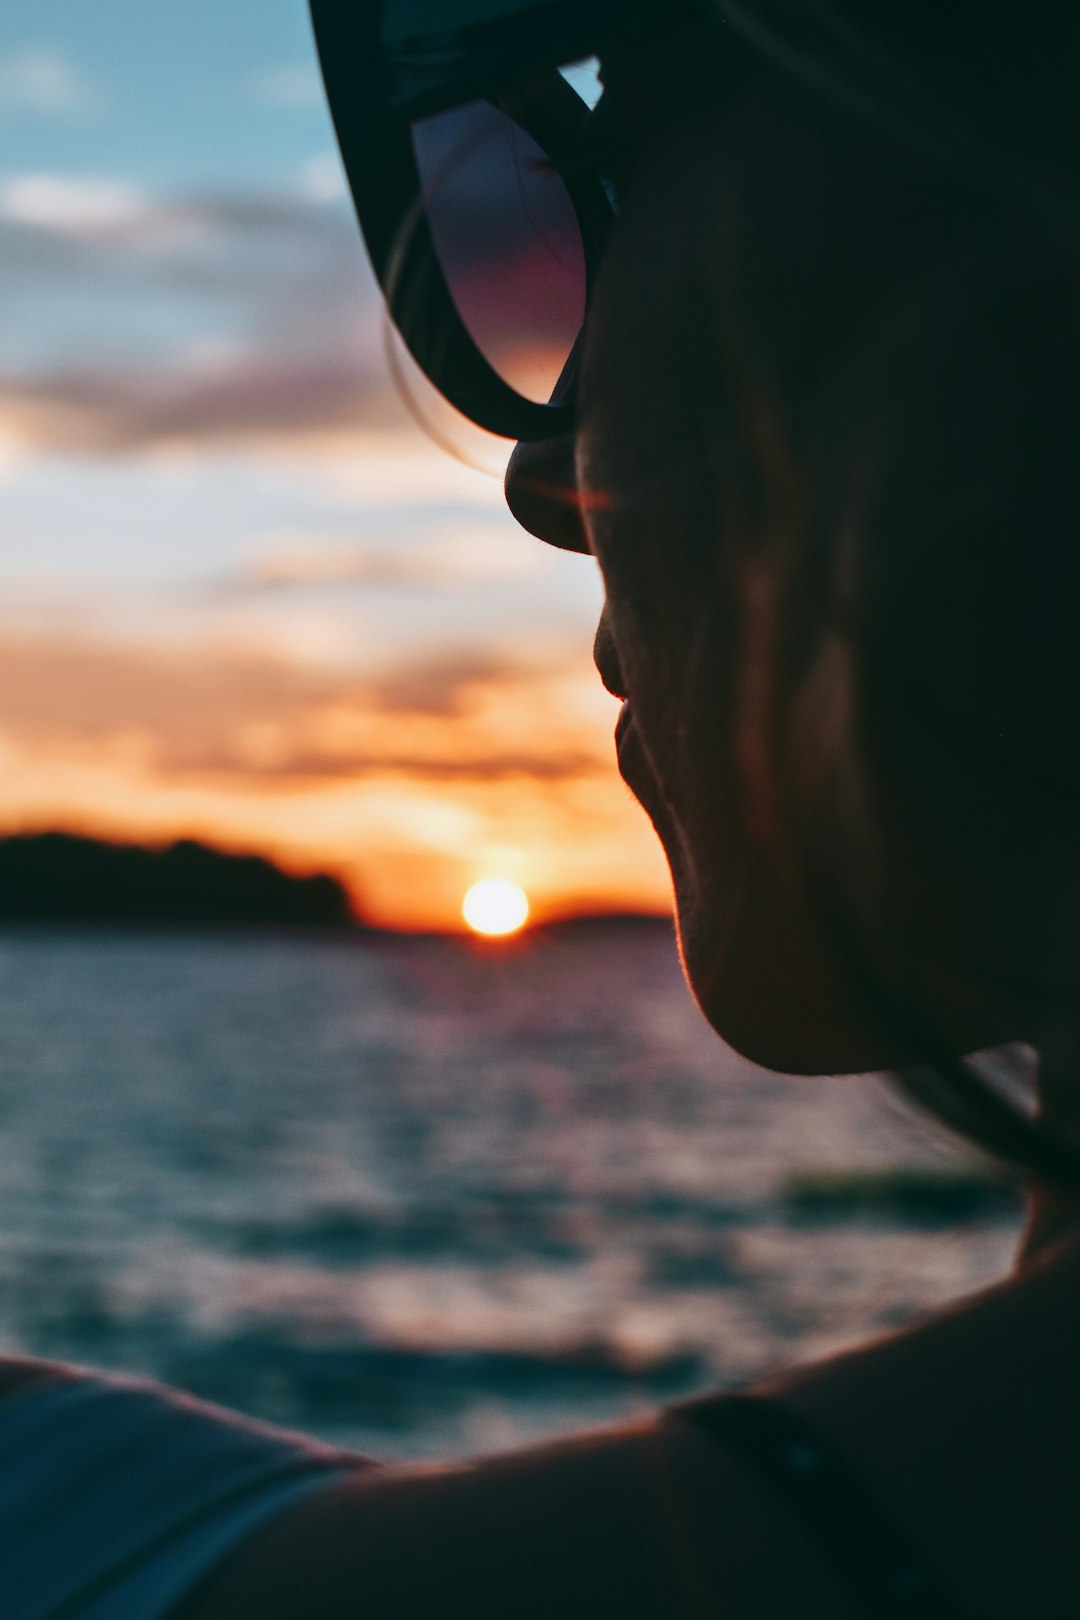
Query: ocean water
<point x="426" y="1198"/>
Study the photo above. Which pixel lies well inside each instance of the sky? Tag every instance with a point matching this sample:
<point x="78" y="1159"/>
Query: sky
<point x="244" y="595"/>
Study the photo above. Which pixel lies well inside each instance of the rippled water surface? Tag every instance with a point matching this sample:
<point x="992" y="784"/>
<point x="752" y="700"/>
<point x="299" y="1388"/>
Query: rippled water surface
<point x="423" y="1197"/>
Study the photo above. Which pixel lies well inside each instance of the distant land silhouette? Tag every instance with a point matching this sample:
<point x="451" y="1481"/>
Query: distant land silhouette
<point x="586" y="923"/>
<point x="57" y="877"/>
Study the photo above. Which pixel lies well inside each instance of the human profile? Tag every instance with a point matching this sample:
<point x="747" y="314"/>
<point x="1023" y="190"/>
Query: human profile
<point x="792" y="355"/>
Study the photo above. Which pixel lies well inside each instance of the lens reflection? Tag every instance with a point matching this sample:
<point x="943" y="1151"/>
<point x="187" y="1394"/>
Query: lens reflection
<point x="508" y="242"/>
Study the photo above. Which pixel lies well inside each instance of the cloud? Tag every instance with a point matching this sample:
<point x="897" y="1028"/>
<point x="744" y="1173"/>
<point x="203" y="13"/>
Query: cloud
<point x="295" y="85"/>
<point x="467" y="550"/>
<point x="202" y="239"/>
<point x="193" y="322"/>
<point x="323" y="179"/>
<point x="411" y="780"/>
<point x="199" y="320"/>
<point x="85" y="411"/>
<point x="77" y="207"/>
<point x="40" y="79"/>
<point x="202" y="715"/>
<point x="441" y="687"/>
<point x="232" y="318"/>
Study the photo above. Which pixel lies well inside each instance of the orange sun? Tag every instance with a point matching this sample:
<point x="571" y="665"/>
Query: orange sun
<point x="495" y="907"/>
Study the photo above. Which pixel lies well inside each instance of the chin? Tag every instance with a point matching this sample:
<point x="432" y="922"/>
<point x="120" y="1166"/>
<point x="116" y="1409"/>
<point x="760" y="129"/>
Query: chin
<point x="768" y="989"/>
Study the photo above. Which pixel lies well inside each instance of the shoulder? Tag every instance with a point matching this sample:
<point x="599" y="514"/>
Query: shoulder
<point x="962" y="1431"/>
<point x="20" y="1372"/>
<point x="648" y="1521"/>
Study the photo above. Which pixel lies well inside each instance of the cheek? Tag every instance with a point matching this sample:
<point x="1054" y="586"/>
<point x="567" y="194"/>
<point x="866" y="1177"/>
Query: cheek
<point x="665" y="450"/>
<point x="655" y="539"/>
<point x="671" y="611"/>
<point x="667" y="437"/>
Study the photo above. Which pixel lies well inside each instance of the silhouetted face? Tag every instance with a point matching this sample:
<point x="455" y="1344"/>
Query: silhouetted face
<point x="751" y="258"/>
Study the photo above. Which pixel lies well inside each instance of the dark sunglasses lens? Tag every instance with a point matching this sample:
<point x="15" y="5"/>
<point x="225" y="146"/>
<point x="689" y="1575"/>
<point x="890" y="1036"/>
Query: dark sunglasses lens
<point x="508" y="242"/>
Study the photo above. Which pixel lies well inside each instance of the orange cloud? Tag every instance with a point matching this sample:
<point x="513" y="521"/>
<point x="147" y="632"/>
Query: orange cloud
<point x="411" y="782"/>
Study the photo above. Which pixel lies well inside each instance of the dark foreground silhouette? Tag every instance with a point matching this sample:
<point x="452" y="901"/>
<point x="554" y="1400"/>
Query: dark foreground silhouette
<point x="59" y="878"/>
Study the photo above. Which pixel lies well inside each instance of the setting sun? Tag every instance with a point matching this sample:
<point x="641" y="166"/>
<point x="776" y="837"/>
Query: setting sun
<point x="495" y="907"/>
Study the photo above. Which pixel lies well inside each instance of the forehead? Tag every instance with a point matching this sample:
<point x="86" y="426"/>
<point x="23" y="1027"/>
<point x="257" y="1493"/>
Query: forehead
<point x="668" y="127"/>
<point x="678" y="75"/>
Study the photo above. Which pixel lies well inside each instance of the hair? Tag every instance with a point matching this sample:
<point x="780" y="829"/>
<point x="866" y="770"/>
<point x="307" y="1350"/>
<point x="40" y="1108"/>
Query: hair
<point x="927" y="566"/>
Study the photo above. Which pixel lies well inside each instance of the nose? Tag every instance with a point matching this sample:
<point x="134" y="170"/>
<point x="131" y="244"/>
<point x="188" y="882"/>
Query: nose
<point x="541" y="482"/>
<point x="541" y="492"/>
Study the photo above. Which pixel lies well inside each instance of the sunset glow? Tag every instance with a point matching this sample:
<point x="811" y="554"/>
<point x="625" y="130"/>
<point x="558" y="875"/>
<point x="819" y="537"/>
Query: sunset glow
<point x="244" y="597"/>
<point x="495" y="907"/>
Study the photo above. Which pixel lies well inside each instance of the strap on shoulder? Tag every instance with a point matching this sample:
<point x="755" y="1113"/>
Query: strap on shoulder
<point x="870" y="1554"/>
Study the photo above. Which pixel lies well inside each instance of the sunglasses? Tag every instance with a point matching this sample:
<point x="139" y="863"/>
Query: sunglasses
<point x="483" y="215"/>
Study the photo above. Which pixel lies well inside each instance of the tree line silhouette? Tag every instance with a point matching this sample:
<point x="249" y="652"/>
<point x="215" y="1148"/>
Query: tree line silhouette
<point x="60" y="878"/>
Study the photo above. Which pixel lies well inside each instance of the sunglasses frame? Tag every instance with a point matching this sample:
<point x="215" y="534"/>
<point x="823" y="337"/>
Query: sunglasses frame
<point x="376" y="93"/>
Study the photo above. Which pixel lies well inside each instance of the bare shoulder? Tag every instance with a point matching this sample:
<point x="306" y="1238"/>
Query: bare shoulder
<point x="964" y="1429"/>
<point x="946" y="1425"/>
<point x="20" y="1372"/>
<point x="648" y="1521"/>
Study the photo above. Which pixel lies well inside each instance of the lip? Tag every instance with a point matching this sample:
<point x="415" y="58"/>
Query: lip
<point x="628" y="749"/>
<point x="636" y="771"/>
<point x="622" y="724"/>
<point x="607" y="667"/>
<point x="607" y="663"/>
